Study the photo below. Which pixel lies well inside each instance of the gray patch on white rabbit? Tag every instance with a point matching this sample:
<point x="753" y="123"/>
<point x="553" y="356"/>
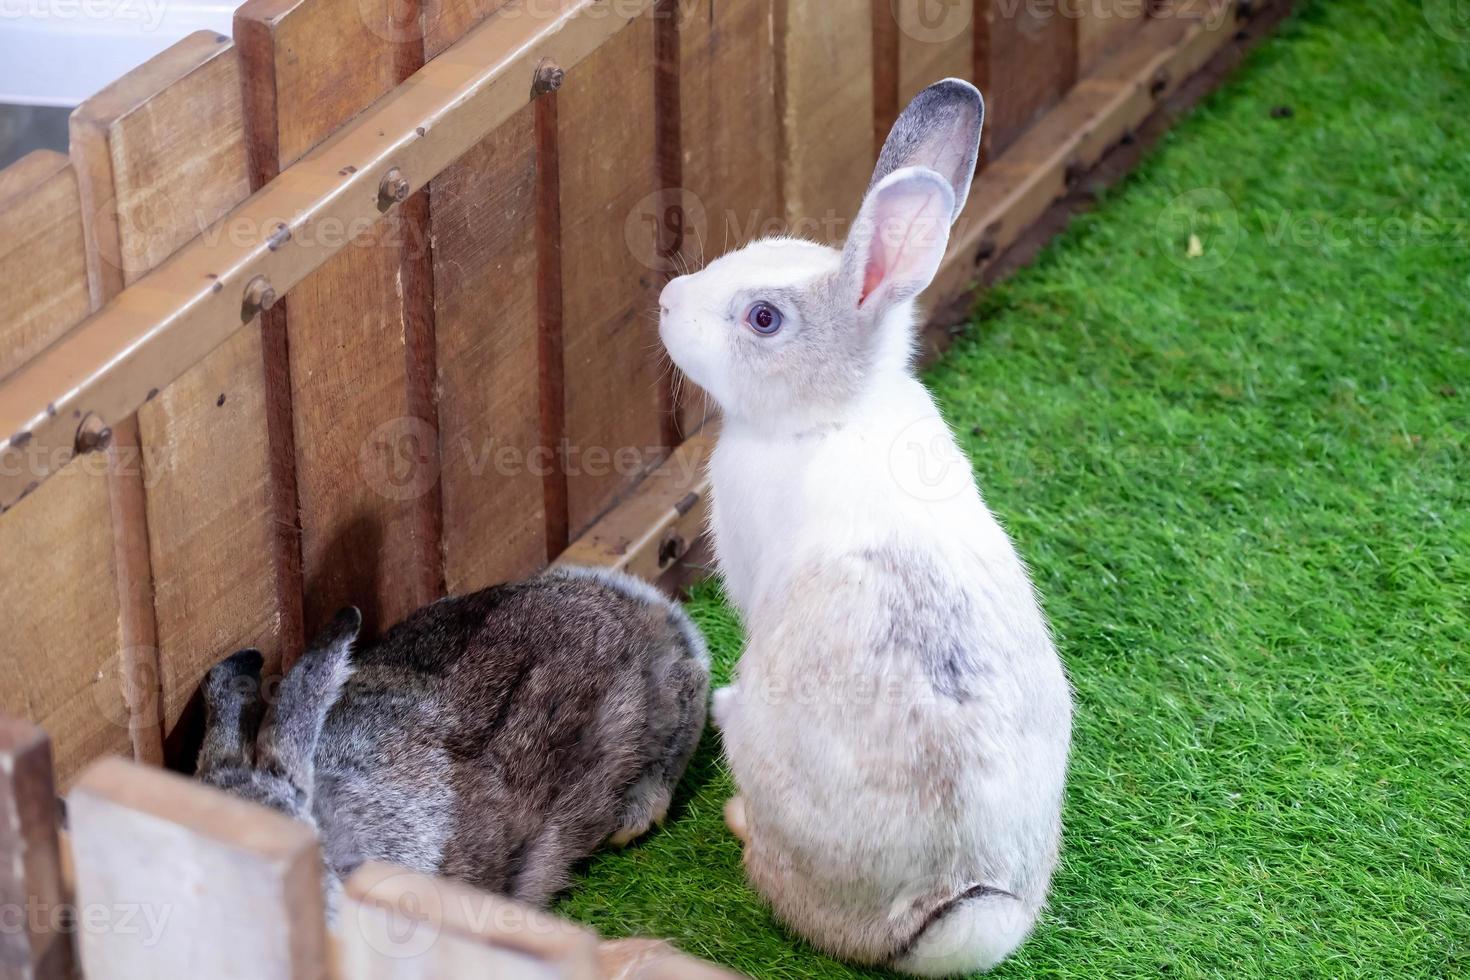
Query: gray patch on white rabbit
<point x="928" y="620"/>
<point x="497" y="738"/>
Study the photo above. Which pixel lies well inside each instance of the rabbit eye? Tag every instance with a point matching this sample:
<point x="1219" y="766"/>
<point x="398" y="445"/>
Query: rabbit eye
<point x="764" y="319"/>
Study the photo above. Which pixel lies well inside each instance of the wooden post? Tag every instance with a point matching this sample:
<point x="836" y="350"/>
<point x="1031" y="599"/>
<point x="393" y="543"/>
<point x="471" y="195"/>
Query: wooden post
<point x="208" y="533"/>
<point x="175" y="879"/>
<point x="349" y="350"/>
<point x="1025" y="61"/>
<point x="615" y="415"/>
<point x="34" y="944"/>
<point x="825" y="90"/>
<point x="397" y="925"/>
<point x="57" y="542"/>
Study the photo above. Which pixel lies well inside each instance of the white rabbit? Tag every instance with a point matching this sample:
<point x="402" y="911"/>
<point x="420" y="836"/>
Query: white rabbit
<point x="899" y="724"/>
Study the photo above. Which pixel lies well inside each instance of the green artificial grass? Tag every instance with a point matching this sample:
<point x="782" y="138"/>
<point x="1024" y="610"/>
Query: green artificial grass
<point x="1240" y="477"/>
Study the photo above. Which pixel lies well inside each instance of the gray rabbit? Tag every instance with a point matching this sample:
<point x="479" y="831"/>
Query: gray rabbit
<point x="496" y="738"/>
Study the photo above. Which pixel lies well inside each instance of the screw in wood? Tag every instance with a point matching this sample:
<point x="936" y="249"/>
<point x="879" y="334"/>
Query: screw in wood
<point x="259" y="295"/>
<point x="671" y="548"/>
<point x="92" y="435"/>
<point x="393" y="189"/>
<point x="548" y="78"/>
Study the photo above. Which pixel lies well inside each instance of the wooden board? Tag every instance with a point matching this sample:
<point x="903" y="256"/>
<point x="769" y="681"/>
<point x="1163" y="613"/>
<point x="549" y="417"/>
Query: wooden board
<point x="58" y="669"/>
<point x="484" y="220"/>
<point x="1026" y="60"/>
<point x="217" y="887"/>
<point x="40" y="231"/>
<point x="936" y="41"/>
<point x="610" y="273"/>
<point x="354" y="370"/>
<point x="212" y="543"/>
<point x="826" y="93"/>
<point x="724" y="195"/>
<point x="36" y="947"/>
<point x="407" y="925"/>
<point x="1104" y="25"/>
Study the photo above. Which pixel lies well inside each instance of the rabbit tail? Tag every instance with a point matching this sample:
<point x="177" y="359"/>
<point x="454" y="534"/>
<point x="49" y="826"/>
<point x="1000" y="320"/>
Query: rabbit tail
<point x="973" y="932"/>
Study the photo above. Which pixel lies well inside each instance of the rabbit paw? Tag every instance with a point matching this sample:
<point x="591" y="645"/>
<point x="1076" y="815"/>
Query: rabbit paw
<point x="646" y="806"/>
<point x="735" y="818"/>
<point x="723" y="704"/>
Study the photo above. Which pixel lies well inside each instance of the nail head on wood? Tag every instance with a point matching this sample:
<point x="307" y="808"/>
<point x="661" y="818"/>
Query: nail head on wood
<point x="394" y="188"/>
<point x="92" y="435"/>
<point x="259" y="295"/>
<point x="549" y="76"/>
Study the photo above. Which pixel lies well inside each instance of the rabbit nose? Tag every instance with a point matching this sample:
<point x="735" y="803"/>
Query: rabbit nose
<point x="669" y="298"/>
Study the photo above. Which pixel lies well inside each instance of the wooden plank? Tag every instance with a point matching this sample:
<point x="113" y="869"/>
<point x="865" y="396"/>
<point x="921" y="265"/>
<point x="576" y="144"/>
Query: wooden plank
<point x="58" y="668"/>
<point x="212" y="886"/>
<point x="825" y="91"/>
<point x="1026" y="60"/>
<point x="352" y="381"/>
<point x="167" y="321"/>
<point x="657" y="525"/>
<point x="608" y="167"/>
<point x="152" y="186"/>
<point x="31" y="884"/>
<point x="41" y="229"/>
<point x="1104" y="25"/>
<point x="483" y="215"/>
<point x="399" y="924"/>
<point x="723" y="195"/>
<point x="484" y="221"/>
<point x="1020" y="184"/>
<point x="936" y="41"/>
<point x="654" y="959"/>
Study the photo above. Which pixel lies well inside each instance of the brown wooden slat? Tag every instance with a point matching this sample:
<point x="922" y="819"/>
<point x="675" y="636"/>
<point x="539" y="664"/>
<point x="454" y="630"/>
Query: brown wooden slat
<point x="649" y="532"/>
<point x="219" y="887"/>
<point x="1026" y="60"/>
<point x="936" y="41"/>
<point x="1019" y="185"/>
<point x="367" y="501"/>
<point x="57" y="670"/>
<point x="726" y="191"/>
<point x="399" y="924"/>
<point x="826" y="92"/>
<point x="171" y="318"/>
<point x="484" y="212"/>
<point x="34" y="948"/>
<point x="550" y="320"/>
<point x="610" y="276"/>
<point x="218" y="579"/>
<point x="887" y="59"/>
<point x="1104" y="25"/>
<point x="40" y="228"/>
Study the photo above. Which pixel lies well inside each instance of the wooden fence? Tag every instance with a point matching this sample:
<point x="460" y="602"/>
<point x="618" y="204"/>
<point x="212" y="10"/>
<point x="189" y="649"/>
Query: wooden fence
<point x="356" y="307"/>
<point x="161" y="877"/>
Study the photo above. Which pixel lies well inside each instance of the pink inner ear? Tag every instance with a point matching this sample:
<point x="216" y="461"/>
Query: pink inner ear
<point x="905" y="222"/>
<point x="873" y="277"/>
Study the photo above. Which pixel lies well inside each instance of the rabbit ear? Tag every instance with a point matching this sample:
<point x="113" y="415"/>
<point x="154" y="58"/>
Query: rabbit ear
<point x="940" y="130"/>
<point x="288" y="736"/>
<point x="232" y="710"/>
<point x="898" y="240"/>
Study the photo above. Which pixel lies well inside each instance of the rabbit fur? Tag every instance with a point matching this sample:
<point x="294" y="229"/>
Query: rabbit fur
<point x="496" y="738"/>
<point x="899" y="723"/>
